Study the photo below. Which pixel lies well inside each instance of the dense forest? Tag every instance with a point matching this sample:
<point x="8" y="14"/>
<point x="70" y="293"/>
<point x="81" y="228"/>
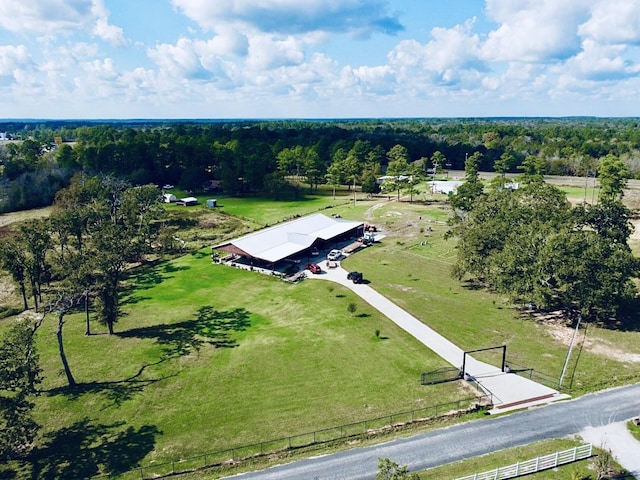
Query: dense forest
<point x="39" y="158"/>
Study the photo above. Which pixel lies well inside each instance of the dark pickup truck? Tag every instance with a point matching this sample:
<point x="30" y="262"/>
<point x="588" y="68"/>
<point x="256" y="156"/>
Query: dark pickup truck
<point x="355" y="277"/>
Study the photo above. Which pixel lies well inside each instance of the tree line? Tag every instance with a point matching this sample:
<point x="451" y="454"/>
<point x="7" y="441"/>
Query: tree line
<point x="264" y="156"/>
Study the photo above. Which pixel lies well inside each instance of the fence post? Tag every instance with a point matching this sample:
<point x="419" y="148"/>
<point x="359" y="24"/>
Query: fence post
<point x="141" y="473"/>
<point x="205" y="460"/>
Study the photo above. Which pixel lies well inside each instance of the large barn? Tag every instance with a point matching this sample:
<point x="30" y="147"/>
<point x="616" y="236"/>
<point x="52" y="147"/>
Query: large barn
<point x="293" y="238"/>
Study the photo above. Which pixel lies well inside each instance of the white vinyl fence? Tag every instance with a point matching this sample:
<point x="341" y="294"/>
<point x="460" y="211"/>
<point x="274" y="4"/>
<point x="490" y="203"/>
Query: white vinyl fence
<point x="534" y="465"/>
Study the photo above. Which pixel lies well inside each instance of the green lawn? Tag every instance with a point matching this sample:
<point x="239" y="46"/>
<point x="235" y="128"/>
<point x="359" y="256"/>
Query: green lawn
<point x="411" y="267"/>
<point x="211" y="357"/>
<point x="266" y="211"/>
<point x="634" y="429"/>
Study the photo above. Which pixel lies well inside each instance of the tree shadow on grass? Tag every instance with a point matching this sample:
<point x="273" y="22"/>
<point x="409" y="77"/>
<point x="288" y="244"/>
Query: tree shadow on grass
<point x="472" y="284"/>
<point x="84" y="450"/>
<point x="116" y="391"/>
<point x="200" y="254"/>
<point x="210" y="327"/>
<point x="146" y="277"/>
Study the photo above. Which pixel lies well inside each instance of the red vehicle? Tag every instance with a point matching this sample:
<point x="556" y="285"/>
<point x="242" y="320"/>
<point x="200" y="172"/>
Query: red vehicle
<point x="314" y="268"/>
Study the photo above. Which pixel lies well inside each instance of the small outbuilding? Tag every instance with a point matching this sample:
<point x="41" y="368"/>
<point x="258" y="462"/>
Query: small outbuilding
<point x="212" y="203"/>
<point x="169" y="197"/>
<point x="187" y="201"/>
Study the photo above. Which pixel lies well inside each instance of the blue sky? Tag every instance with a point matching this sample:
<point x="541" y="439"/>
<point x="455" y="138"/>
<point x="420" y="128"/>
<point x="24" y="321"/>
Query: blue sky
<point x="318" y="58"/>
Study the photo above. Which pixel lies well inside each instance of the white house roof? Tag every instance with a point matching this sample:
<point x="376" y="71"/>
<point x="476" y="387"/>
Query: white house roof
<point x="288" y="238"/>
<point x="445" y="186"/>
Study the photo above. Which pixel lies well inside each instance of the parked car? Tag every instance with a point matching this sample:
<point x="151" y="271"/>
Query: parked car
<point x="314" y="268"/>
<point x="334" y="255"/>
<point x="167" y="187"/>
<point x="332" y="264"/>
<point x="355" y="277"/>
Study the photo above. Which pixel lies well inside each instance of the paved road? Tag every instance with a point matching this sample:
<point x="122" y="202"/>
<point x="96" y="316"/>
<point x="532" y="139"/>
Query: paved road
<point x="471" y="439"/>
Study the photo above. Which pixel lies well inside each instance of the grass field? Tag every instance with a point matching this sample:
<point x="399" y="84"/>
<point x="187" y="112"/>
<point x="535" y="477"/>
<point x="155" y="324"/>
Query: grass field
<point x="208" y="357"/>
<point x="411" y="267"/>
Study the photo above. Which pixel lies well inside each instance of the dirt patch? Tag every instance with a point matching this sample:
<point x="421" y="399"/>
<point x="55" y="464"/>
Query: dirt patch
<point x="369" y="213"/>
<point x="561" y="332"/>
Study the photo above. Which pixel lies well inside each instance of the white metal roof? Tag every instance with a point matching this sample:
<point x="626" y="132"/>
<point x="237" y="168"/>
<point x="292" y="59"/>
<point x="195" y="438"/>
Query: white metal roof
<point x="288" y="238"/>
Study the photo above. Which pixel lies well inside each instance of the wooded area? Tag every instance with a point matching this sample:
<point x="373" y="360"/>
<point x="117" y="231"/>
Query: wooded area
<point x="257" y="156"/>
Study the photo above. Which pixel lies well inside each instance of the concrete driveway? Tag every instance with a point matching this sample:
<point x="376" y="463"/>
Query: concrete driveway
<point x="507" y="390"/>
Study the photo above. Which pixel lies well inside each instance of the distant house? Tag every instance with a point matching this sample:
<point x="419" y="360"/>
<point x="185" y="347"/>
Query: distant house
<point x="187" y="201"/>
<point x="169" y="197"/>
<point x="445" y="186"/>
<point x="394" y="178"/>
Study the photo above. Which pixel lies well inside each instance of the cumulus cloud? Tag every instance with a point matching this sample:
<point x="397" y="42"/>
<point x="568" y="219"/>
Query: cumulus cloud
<point x="613" y="21"/>
<point x="13" y="58"/>
<point x="45" y="17"/>
<point x="451" y="58"/>
<point x="354" y="17"/>
<point x="534" y="30"/>
<point x="601" y="62"/>
<point x="59" y="17"/>
<point x="266" y="53"/>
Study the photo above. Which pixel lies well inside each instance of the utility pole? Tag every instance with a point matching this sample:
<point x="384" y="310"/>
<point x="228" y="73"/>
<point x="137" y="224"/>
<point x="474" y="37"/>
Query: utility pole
<point x="354" y="190"/>
<point x="566" y="361"/>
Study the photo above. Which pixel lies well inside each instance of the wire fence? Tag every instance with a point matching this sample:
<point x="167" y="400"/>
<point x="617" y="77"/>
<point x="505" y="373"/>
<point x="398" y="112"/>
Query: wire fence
<point x="532" y="374"/>
<point x="442" y="375"/>
<point x="367" y="427"/>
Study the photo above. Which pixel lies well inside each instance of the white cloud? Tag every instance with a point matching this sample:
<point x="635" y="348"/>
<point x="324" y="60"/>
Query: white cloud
<point x="601" y="62"/>
<point x="266" y="53"/>
<point x="13" y="58"/>
<point x="181" y="60"/>
<point x="613" y="21"/>
<point x="356" y="17"/>
<point x="45" y="17"/>
<point x="51" y="18"/>
<point x="534" y="30"/>
<point x="451" y="59"/>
